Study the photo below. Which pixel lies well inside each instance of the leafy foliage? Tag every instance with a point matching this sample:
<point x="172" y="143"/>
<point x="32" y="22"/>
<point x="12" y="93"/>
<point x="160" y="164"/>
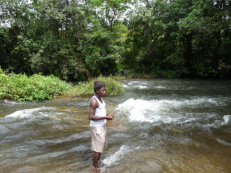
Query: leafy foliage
<point x="65" y="36"/>
<point x="77" y="40"/>
<point x="87" y="88"/>
<point x="23" y="88"/>
<point x="179" y="38"/>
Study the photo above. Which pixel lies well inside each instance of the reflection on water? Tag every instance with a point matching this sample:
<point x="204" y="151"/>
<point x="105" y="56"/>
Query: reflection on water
<point x="170" y="126"/>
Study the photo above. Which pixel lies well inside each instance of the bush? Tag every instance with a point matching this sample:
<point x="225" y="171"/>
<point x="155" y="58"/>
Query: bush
<point x="35" y="88"/>
<point x="113" y="87"/>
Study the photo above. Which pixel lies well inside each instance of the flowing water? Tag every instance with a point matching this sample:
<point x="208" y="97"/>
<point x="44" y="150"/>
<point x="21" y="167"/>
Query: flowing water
<point x="160" y="126"/>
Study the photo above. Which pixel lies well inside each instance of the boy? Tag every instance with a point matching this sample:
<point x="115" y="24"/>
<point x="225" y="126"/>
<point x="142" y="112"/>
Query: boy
<point x="98" y="118"/>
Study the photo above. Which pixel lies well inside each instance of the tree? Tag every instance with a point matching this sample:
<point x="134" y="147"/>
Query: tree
<point x="179" y="38"/>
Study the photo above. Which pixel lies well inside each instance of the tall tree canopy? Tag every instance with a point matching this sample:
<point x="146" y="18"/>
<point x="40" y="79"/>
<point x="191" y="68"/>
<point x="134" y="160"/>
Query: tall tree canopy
<point x="75" y="39"/>
<point x="180" y="38"/>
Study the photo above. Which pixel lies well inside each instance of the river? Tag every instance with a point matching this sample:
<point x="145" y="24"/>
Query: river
<point x="160" y="126"/>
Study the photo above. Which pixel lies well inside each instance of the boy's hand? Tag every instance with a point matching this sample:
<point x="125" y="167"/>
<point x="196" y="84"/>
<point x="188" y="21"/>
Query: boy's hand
<point x="110" y="116"/>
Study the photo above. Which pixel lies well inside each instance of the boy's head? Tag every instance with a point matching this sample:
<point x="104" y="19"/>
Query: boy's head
<point x="98" y="85"/>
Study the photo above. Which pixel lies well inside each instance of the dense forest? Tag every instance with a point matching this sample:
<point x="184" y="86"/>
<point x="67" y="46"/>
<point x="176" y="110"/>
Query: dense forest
<point x="78" y="39"/>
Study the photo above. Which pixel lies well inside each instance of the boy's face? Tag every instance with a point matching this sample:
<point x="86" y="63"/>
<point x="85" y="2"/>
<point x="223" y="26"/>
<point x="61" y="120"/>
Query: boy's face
<point x="102" y="91"/>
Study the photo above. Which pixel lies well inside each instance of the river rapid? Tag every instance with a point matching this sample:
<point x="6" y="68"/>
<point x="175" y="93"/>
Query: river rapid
<point x="160" y="126"/>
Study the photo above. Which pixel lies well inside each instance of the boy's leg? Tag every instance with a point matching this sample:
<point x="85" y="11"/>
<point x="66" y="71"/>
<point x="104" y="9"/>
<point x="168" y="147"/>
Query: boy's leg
<point x="96" y="158"/>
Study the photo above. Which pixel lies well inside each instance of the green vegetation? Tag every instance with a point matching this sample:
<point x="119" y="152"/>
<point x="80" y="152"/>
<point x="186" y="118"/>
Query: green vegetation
<point x="180" y="38"/>
<point x="20" y="87"/>
<point x="87" y="88"/>
<point x="78" y="40"/>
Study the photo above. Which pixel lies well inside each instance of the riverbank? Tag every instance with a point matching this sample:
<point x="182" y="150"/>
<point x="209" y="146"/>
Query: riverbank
<point x="113" y="87"/>
<point x="20" y="87"/>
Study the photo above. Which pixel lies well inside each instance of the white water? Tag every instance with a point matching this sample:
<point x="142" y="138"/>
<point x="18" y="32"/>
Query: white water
<point x="166" y="111"/>
<point x="30" y="113"/>
<point x="117" y="156"/>
<point x="227" y="119"/>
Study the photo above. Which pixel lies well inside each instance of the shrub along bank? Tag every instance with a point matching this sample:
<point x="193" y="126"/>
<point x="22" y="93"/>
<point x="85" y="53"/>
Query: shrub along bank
<point x="20" y="87"/>
<point x="113" y="87"/>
